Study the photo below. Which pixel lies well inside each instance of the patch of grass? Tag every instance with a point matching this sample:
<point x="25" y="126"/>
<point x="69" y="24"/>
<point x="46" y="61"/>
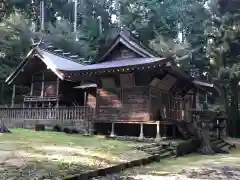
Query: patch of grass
<point x="60" y="153"/>
<point x="169" y="167"/>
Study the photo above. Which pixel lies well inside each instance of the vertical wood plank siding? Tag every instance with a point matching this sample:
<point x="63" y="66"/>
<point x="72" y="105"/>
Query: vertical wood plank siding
<point x="137" y="103"/>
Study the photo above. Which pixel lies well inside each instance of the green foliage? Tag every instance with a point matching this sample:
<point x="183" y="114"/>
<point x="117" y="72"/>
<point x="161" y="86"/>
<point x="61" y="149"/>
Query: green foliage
<point x="223" y="43"/>
<point x="15" y="42"/>
<point x="61" y="36"/>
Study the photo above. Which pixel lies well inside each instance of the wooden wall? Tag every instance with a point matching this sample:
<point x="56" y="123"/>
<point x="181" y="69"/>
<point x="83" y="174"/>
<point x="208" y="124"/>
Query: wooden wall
<point x="123" y="104"/>
<point x="46" y="84"/>
<point x="119" y="99"/>
<point x="45" y="79"/>
<point x="160" y="100"/>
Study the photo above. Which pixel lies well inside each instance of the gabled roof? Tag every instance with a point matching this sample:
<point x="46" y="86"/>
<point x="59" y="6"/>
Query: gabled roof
<point x="208" y="87"/>
<point x="128" y="40"/>
<point x="54" y="62"/>
<point x="122" y="63"/>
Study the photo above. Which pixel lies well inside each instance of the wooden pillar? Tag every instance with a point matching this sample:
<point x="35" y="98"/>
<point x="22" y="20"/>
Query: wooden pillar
<point x="31" y="91"/>
<point x="57" y="92"/>
<point x="42" y="90"/>
<point x="97" y="103"/>
<point x="112" y="131"/>
<point x="182" y="108"/>
<point x="141" y="136"/>
<point x="197" y="99"/>
<point x="13" y="96"/>
<point x="158" y="137"/>
<point x="85" y="98"/>
<point x="57" y="88"/>
<point x="164" y="113"/>
<point x="218" y="133"/>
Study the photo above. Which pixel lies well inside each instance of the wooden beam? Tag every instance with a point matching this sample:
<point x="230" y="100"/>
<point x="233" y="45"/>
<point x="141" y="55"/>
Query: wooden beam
<point x="57" y="91"/>
<point x="57" y="88"/>
<point x="13" y="95"/>
<point x="42" y="90"/>
<point x="31" y="92"/>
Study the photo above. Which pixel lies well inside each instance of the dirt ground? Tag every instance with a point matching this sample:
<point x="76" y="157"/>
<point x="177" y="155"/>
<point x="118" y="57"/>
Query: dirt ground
<point x="32" y="155"/>
<point x="192" y="167"/>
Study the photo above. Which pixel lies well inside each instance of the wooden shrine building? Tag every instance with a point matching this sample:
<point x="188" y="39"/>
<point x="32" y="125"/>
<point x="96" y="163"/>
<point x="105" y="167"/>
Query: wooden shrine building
<point x="128" y="90"/>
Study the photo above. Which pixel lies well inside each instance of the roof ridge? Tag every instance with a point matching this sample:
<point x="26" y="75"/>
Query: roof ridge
<point x="132" y="37"/>
<point x="67" y="58"/>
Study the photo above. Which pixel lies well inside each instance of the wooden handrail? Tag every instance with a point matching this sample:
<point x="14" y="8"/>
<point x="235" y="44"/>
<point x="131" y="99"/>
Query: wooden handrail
<point x="71" y="113"/>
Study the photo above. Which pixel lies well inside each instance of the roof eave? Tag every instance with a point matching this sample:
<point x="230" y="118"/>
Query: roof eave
<point x="56" y="71"/>
<point x="15" y="73"/>
<point x="156" y="63"/>
<point x="204" y="85"/>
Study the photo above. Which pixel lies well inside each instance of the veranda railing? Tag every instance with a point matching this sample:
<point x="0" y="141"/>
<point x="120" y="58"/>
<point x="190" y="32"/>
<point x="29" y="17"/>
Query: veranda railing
<point x="66" y="113"/>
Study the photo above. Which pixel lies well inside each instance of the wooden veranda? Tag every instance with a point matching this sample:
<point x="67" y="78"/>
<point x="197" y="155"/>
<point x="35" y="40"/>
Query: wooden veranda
<point x="74" y="117"/>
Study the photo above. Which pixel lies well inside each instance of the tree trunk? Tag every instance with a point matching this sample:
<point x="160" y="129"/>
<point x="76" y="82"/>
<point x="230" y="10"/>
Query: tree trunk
<point x="234" y="106"/>
<point x="225" y="96"/>
<point x="200" y="129"/>
<point x="205" y="144"/>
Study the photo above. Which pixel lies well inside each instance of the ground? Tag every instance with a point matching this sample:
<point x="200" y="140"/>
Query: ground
<point x="28" y="154"/>
<point x="191" y="167"/>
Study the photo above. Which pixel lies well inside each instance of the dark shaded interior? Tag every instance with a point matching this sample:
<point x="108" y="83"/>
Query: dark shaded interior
<point x="132" y="130"/>
<point x="149" y="130"/>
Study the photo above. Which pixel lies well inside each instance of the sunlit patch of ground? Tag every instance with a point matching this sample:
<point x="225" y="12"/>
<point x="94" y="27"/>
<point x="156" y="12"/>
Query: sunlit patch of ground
<point x="25" y="153"/>
<point x="191" y="167"/>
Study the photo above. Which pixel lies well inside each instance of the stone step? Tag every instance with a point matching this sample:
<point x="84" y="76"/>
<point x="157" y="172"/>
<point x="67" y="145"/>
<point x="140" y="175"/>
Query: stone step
<point x="218" y="143"/>
<point x="147" y="146"/>
<point x="154" y="149"/>
<point x="232" y="146"/>
<point x="184" y="132"/>
<point x="158" y="152"/>
<point x="166" y="154"/>
<point x="223" y="145"/>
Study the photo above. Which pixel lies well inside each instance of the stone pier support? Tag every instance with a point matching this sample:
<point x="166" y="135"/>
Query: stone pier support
<point x="112" y="131"/>
<point x="141" y="136"/>
<point x="158" y="137"/>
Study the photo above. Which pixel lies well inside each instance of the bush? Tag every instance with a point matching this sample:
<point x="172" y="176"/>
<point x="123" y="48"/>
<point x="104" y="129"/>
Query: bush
<point x="75" y="131"/>
<point x="39" y="127"/>
<point x="57" y="128"/>
<point x="67" y="130"/>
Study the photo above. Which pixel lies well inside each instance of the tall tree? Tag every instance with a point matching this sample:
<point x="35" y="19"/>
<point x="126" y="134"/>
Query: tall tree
<point x="223" y="32"/>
